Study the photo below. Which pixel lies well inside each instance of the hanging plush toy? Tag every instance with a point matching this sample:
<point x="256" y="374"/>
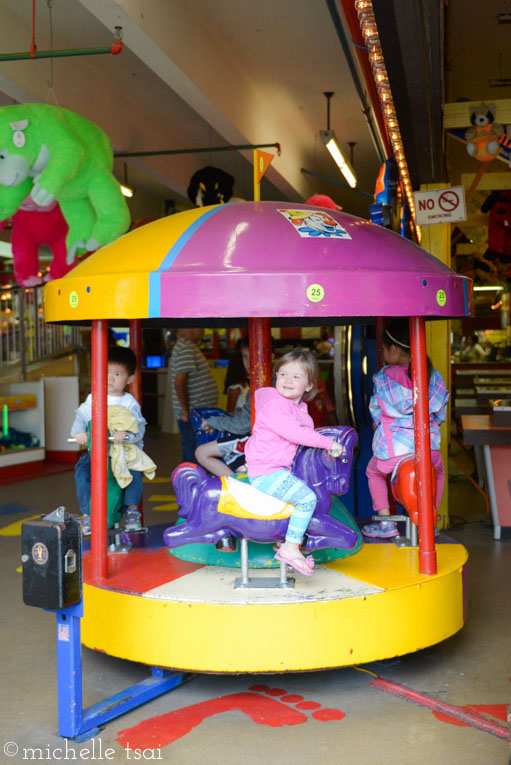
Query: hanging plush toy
<point x="210" y="186"/>
<point x="499" y="226"/>
<point x="33" y="226"/>
<point x="64" y="157"/>
<point x="482" y="137"/>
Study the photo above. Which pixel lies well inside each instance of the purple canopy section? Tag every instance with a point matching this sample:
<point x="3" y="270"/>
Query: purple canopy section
<point x="271" y="259"/>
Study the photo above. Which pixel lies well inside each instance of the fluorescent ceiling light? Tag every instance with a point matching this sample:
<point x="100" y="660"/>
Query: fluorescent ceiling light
<point x="328" y="138"/>
<point x="489" y="288"/>
<point x="127" y="191"/>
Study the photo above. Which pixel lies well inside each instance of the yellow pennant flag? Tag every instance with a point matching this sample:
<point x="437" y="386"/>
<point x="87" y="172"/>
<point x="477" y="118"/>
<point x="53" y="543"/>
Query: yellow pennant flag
<point x="262" y="162"/>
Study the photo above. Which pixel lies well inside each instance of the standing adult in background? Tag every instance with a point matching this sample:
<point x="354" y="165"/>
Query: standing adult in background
<point x="193" y="385"/>
<point x="472" y="350"/>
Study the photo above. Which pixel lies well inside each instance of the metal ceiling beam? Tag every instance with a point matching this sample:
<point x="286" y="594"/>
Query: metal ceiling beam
<point x="411" y="37"/>
<point x="347" y="27"/>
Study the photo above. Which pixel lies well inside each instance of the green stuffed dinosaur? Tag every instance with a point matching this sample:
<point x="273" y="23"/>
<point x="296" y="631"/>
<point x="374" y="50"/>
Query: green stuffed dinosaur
<point x="53" y="153"/>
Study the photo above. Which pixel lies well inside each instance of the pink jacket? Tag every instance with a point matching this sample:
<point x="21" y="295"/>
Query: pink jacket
<point x="280" y="427"/>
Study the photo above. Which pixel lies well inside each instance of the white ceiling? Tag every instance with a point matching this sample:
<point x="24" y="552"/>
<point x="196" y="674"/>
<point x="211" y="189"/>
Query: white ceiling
<point x="199" y="73"/>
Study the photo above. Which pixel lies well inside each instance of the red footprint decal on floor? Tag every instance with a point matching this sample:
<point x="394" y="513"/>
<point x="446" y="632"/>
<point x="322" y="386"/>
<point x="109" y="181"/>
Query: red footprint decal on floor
<point x="262" y="709"/>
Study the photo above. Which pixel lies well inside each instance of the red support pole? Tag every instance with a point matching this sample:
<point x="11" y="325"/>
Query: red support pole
<point x="381" y="323"/>
<point x="136" y="385"/>
<point x="427" y="552"/>
<point x="99" y="449"/>
<point x="259" y="338"/>
<point x="215" y="345"/>
<point x="136" y="347"/>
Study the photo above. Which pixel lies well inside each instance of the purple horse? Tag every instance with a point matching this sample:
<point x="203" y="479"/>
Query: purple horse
<point x="198" y="494"/>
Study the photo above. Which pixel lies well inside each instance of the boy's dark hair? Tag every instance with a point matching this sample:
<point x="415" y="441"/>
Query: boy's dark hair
<point x="236" y="373"/>
<point x="397" y="333"/>
<point x="125" y="357"/>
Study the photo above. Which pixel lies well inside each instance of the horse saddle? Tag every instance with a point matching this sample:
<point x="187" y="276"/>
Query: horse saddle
<point x="245" y="501"/>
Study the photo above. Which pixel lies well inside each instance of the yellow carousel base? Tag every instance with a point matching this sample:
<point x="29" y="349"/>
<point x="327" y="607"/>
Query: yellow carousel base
<point x="189" y="617"/>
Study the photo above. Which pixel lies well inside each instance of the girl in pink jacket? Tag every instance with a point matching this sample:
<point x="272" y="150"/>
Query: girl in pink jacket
<point x="282" y="424"/>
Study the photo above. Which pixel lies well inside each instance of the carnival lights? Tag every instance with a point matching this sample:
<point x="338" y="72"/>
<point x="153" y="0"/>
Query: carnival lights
<point x="369" y="30"/>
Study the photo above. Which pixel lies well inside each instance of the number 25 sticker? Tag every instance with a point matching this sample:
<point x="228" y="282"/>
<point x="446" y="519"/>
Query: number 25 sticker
<point x="315" y="293"/>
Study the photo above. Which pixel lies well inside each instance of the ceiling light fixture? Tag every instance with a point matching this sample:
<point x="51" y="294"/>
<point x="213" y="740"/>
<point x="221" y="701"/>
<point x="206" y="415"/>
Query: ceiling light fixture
<point x="328" y="138"/>
<point x="127" y="191"/>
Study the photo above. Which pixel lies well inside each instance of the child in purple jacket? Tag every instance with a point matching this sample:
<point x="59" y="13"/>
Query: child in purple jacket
<point x="282" y="423"/>
<point x="391" y="408"/>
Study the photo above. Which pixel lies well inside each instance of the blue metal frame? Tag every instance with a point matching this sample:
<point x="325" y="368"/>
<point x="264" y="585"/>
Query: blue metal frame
<point x="358" y="500"/>
<point x="81" y="724"/>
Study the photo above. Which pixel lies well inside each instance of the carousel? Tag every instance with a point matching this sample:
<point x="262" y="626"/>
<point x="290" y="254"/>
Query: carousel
<point x="264" y="264"/>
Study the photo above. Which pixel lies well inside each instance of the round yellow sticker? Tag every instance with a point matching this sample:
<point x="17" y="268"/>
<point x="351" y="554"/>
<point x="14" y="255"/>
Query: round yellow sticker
<point x="441" y="298"/>
<point x="73" y="299"/>
<point x="315" y="293"/>
<point x="39" y="553"/>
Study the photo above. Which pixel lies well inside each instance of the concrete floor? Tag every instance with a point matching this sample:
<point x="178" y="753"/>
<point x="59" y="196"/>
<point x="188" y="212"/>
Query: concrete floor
<point x="249" y="719"/>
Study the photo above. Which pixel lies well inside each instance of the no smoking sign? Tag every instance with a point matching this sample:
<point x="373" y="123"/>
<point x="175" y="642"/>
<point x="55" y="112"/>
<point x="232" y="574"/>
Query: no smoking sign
<point x="440" y="206"/>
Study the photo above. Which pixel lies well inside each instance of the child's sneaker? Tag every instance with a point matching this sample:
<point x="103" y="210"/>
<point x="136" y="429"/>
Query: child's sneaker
<point x="132" y="520"/>
<point x="381" y="530"/>
<point x="85" y="524"/>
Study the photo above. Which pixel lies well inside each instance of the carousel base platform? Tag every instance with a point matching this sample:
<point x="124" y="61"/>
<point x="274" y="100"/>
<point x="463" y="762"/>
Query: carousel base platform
<point x="162" y="611"/>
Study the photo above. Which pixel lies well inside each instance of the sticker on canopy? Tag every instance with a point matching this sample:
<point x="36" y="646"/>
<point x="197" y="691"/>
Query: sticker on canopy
<point x="313" y="224"/>
<point x="441" y="298"/>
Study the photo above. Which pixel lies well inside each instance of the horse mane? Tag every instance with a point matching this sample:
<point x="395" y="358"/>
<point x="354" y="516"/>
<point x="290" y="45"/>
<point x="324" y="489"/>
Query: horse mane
<point x="187" y="480"/>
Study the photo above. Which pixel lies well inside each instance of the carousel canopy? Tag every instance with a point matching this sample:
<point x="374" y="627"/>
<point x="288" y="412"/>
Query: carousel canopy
<point x="258" y="259"/>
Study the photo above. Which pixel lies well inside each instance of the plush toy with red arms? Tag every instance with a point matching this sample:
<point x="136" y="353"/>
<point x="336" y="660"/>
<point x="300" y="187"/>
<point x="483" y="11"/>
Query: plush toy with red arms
<point x="33" y="226"/>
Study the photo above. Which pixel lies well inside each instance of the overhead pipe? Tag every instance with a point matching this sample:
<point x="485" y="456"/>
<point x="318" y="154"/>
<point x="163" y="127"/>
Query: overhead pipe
<point x="337" y="183"/>
<point x="167" y="152"/>
<point x="114" y="49"/>
<point x="355" y="46"/>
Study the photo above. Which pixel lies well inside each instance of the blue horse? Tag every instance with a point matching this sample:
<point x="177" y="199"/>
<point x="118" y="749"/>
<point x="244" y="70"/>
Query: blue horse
<point x="211" y="513"/>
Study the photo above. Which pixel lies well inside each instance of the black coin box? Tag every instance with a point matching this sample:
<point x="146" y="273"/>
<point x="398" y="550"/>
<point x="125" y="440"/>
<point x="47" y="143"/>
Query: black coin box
<point x="51" y="555"/>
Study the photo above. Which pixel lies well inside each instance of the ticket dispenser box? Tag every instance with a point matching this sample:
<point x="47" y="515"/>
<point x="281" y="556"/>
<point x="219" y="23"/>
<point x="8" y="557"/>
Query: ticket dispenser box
<point x="51" y="554"/>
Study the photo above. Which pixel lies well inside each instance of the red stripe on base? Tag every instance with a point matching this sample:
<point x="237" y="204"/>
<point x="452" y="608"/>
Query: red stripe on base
<point x="427" y="701"/>
<point x="140" y="570"/>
